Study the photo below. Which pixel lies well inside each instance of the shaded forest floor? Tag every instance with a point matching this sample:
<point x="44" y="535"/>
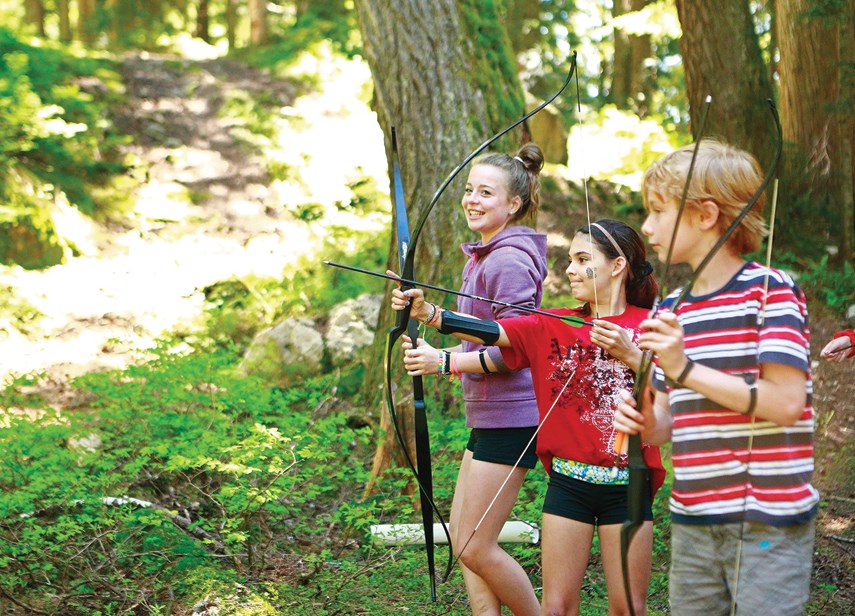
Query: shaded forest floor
<point x="207" y="213"/>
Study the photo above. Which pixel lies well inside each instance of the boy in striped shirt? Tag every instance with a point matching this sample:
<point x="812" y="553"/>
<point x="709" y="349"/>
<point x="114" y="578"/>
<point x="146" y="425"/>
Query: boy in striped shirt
<point x="732" y="391"/>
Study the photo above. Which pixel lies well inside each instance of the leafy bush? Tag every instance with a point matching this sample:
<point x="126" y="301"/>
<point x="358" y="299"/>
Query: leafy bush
<point x="167" y="472"/>
<point x="49" y="125"/>
<point x="834" y="287"/>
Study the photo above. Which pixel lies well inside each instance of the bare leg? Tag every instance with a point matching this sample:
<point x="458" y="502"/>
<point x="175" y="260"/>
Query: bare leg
<point x="640" y="555"/>
<point x="566" y="549"/>
<point x="492" y="576"/>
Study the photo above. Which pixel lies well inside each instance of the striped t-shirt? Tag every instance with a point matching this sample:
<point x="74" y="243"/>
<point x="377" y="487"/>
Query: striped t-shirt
<point x="721" y="475"/>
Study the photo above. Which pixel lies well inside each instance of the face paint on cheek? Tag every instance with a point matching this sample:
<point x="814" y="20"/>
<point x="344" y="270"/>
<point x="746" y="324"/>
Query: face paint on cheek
<point x="589" y="272"/>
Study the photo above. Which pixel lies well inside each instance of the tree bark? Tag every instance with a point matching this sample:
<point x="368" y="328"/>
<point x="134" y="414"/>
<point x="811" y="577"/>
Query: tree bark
<point x="722" y="58"/>
<point x="257" y="22"/>
<point x="34" y="12"/>
<point x="202" y="30"/>
<point x="444" y="94"/>
<point x="816" y="110"/>
<point x="630" y="86"/>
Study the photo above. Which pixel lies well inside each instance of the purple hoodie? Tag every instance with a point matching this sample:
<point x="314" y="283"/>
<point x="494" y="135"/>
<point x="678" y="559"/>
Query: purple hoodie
<point x="510" y="268"/>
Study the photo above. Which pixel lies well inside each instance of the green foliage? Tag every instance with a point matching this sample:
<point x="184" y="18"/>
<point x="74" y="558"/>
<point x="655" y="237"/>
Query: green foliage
<point x="54" y="138"/>
<point x="257" y="111"/>
<point x="230" y="470"/>
<point x="322" y="22"/>
<point x="49" y="125"/>
<point x="16" y="313"/>
<point x="834" y="287"/>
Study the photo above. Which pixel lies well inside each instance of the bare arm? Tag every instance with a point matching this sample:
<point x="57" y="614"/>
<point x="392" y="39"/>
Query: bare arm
<point x="425" y="359"/>
<point x="422" y="311"/>
<point x="781" y="391"/>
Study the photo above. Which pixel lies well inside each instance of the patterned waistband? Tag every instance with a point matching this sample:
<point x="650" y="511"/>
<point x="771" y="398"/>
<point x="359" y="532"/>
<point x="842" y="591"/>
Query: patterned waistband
<point x="602" y="475"/>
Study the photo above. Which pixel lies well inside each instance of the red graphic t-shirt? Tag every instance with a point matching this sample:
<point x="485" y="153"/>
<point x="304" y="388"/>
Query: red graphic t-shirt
<point x="578" y="424"/>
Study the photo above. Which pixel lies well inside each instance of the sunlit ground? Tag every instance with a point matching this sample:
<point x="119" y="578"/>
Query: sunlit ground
<point x="128" y="288"/>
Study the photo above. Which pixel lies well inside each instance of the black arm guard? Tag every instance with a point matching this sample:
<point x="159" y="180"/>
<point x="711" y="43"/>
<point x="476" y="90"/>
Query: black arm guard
<point x="453" y="323"/>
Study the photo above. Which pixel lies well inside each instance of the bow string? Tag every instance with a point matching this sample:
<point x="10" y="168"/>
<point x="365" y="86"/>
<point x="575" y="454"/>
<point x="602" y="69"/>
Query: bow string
<point x="407" y="244"/>
<point x="641" y="475"/>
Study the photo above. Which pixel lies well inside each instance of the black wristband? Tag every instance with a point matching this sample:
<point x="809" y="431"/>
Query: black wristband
<point x="686" y="370"/>
<point x="751" y="381"/>
<point x="483" y="361"/>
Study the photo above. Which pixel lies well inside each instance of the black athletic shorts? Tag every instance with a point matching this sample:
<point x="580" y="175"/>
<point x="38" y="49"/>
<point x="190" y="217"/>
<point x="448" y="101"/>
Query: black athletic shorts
<point x="503" y="445"/>
<point x="590" y="503"/>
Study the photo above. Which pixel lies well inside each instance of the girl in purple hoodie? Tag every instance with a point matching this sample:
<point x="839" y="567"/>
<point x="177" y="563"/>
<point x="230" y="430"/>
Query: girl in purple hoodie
<point x="508" y="263"/>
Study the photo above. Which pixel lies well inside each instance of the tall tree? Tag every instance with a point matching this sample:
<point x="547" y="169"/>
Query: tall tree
<point x="257" y="22"/>
<point x="816" y="92"/>
<point x="231" y="23"/>
<point x="64" y="21"/>
<point x="202" y="29"/>
<point x="630" y="88"/>
<point x="85" y="20"/>
<point x="722" y="58"/>
<point x="445" y="78"/>
<point x="34" y="11"/>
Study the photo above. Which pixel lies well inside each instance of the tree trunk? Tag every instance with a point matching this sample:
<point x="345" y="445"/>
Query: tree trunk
<point x="444" y="94"/>
<point x="846" y="83"/>
<point x="64" y="22"/>
<point x="721" y="57"/>
<point x="630" y="87"/>
<point x="202" y="30"/>
<point x="816" y="110"/>
<point x="231" y="23"/>
<point x="257" y="22"/>
<point x="85" y="16"/>
<point x="34" y="12"/>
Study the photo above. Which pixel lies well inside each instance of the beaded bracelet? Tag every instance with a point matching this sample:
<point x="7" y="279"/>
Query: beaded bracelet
<point x="432" y="316"/>
<point x="435" y="316"/>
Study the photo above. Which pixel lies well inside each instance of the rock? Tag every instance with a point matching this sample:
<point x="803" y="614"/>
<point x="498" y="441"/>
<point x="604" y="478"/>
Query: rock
<point x="286" y="353"/>
<point x="351" y="327"/>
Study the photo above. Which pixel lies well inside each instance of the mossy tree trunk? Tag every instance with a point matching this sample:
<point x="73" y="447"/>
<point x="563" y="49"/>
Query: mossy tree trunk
<point x="445" y="78"/>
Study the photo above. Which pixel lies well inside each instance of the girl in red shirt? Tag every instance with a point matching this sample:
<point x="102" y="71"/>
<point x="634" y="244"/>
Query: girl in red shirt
<point x="578" y="373"/>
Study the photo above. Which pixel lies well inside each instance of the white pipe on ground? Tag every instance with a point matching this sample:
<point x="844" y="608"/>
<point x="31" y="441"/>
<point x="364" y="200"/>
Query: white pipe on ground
<point x="515" y="531"/>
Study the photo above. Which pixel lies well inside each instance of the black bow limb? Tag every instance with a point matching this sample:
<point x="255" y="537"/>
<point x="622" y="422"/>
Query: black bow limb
<point x="407" y="244"/>
<point x="639" y="473"/>
<point x="422" y="467"/>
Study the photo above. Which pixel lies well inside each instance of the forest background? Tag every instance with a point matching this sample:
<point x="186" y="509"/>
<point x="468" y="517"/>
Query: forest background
<point x="166" y="196"/>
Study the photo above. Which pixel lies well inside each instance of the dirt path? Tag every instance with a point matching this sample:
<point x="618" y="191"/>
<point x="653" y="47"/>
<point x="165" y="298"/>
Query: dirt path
<point x="208" y="210"/>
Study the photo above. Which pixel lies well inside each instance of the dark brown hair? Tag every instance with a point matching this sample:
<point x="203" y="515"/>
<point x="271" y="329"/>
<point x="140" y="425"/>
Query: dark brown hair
<point x="641" y="285"/>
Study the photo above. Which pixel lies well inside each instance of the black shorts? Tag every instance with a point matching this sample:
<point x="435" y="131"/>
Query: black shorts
<point x="590" y="503"/>
<point x="503" y="445"/>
